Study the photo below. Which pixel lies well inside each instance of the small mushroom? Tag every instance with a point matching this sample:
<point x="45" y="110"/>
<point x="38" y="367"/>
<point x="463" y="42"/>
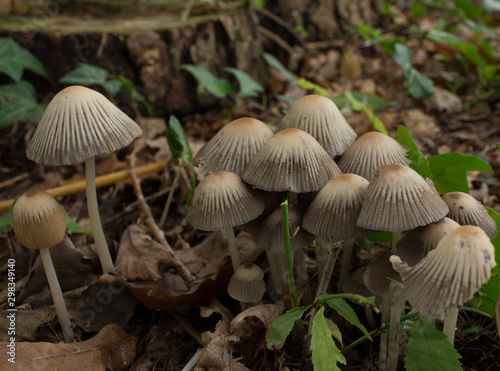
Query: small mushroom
<point x="466" y="210"/>
<point x="247" y="284"/>
<point x="39" y="223"/>
<point x="78" y="124"/>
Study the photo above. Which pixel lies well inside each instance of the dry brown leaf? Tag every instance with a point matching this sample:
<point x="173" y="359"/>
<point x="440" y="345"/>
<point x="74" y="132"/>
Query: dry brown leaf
<point x="27" y="322"/>
<point x="111" y="349"/>
<point x="443" y="101"/>
<point x="139" y="256"/>
<point x="256" y="319"/>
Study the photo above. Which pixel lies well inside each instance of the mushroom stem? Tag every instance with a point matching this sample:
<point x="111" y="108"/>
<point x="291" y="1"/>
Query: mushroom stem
<point x="95" y="219"/>
<point x="384" y="335"/>
<point x="396" y="236"/>
<point x="396" y="294"/>
<point x="288" y="255"/>
<point x="346" y="262"/>
<point x="300" y="266"/>
<point x="233" y="249"/>
<point x="450" y="322"/>
<point x="57" y="296"/>
<point x="275" y="276"/>
<point x="322" y="250"/>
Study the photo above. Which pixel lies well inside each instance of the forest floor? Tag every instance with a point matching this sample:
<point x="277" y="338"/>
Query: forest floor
<point x="143" y="316"/>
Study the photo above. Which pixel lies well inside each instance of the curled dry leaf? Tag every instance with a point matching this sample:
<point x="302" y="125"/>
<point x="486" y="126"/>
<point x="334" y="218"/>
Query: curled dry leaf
<point x="255" y="319"/>
<point x="27" y="322"/>
<point x="111" y="349"/>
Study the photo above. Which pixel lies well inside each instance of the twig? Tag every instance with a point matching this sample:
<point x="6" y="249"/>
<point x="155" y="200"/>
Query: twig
<point x="178" y="266"/>
<point x="175" y="183"/>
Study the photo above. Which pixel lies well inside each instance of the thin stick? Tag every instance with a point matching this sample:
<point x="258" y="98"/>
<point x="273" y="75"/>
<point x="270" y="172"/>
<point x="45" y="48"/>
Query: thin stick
<point x="330" y="264"/>
<point x="173" y="187"/>
<point x="176" y="263"/>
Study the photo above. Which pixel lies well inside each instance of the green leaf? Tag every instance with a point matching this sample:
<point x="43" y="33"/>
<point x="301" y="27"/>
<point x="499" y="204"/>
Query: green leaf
<point x="308" y="85"/>
<point x="73" y="226"/>
<point x="420" y="86"/>
<point x="374" y="101"/>
<point x="273" y="62"/>
<point x="177" y="141"/>
<point x="18" y="103"/>
<point x="325" y="353"/>
<point x="248" y="86"/>
<point x="283" y="326"/>
<point x="6" y="220"/>
<point x="418" y="161"/>
<point x="86" y="74"/>
<point x="334" y="330"/>
<point x="443" y="37"/>
<point x="345" y="310"/>
<point x="429" y="349"/>
<point x="402" y="56"/>
<point x="218" y="87"/>
<point x="113" y="86"/>
<point x="450" y="171"/>
<point x="14" y="59"/>
<point x="358" y="105"/>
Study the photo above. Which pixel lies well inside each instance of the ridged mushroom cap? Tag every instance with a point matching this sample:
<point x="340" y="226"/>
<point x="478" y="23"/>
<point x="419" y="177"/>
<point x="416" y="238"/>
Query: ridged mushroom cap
<point x="233" y="146"/>
<point x="451" y="273"/>
<point x="466" y="210"/>
<point x="417" y="243"/>
<point x="355" y="284"/>
<point x="399" y="199"/>
<point x="269" y="234"/>
<point x="321" y="118"/>
<point x="369" y="152"/>
<point x="292" y="160"/>
<point x="379" y="273"/>
<point x="222" y="200"/>
<point x="335" y="210"/>
<point x="38" y="220"/>
<point x="80" y="123"/>
<point x="247" y="284"/>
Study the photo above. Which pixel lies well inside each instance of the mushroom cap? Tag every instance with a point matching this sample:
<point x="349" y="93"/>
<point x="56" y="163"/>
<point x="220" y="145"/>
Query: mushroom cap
<point x="379" y="273"/>
<point x="269" y="234"/>
<point x="417" y="243"/>
<point x="451" y="273"/>
<point x="80" y="123"/>
<point x="321" y="118"/>
<point x="292" y="160"/>
<point x="466" y="210"/>
<point x="335" y="210"/>
<point x="399" y="199"/>
<point x="222" y="200"/>
<point x="38" y="220"/>
<point x="247" y="284"/>
<point x="369" y="152"/>
<point x="355" y="284"/>
<point x="233" y="146"/>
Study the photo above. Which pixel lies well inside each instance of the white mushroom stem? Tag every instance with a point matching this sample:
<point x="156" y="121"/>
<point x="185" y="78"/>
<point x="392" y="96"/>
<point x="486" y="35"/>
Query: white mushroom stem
<point x="300" y="266"/>
<point x="384" y="336"/>
<point x="450" y="322"/>
<point x="396" y="236"/>
<point x="57" y="296"/>
<point x="95" y="219"/>
<point x="396" y="295"/>
<point x="274" y="273"/>
<point x="233" y="249"/>
<point x="345" y="267"/>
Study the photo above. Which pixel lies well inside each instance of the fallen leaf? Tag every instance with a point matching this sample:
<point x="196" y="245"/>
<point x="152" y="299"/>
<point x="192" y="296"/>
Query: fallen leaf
<point x="27" y="322"/>
<point x="256" y="319"/>
<point x="443" y="101"/>
<point x="111" y="349"/>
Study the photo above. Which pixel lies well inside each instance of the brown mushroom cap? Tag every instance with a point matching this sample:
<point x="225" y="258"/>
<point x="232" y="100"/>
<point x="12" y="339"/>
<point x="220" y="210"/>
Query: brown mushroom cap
<point x="321" y="118"/>
<point x="80" y="123"/>
<point x="379" y="273"/>
<point x="233" y="146"/>
<point x="247" y="284"/>
<point x="369" y="152"/>
<point x="292" y="160"/>
<point x="399" y="199"/>
<point x="38" y="220"/>
<point x="451" y="273"/>
<point x="417" y="243"/>
<point x="466" y="210"/>
<point x="222" y="200"/>
<point x="335" y="210"/>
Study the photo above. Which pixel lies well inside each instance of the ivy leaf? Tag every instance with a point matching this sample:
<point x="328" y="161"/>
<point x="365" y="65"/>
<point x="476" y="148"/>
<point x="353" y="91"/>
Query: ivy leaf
<point x="325" y="353"/>
<point x="206" y="80"/>
<point x="177" y="141"/>
<point x="86" y="74"/>
<point x="345" y="310"/>
<point x="248" y="86"/>
<point x="283" y="326"/>
<point x="275" y="63"/>
<point x="18" y="103"/>
<point x="450" y="171"/>
<point x="418" y="161"/>
<point x="14" y="59"/>
<point x="429" y="349"/>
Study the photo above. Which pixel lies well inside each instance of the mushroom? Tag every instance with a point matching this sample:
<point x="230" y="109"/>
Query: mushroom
<point x="350" y="69"/>
<point x="369" y="152"/>
<point x="39" y="223"/>
<point x="78" y="124"/>
<point x="320" y="117"/>
<point x="233" y="146"/>
<point x="222" y="201"/>
<point x="247" y="284"/>
<point x="416" y="244"/>
<point x="449" y="275"/>
<point x="466" y="210"/>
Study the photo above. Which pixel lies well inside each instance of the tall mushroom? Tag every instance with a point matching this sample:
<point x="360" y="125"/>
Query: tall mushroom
<point x="78" y="124"/>
<point x="39" y="223"/>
